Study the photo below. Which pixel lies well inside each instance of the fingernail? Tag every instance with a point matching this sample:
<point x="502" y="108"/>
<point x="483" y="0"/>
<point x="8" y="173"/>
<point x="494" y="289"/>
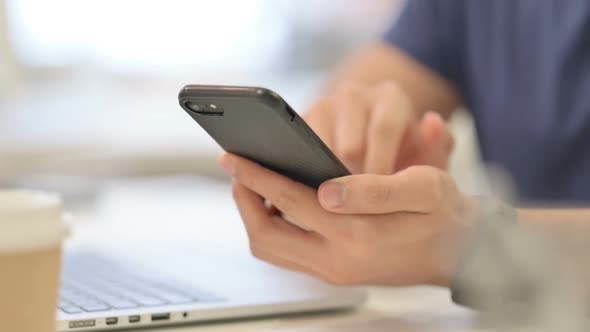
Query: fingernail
<point x="332" y="194"/>
<point x="227" y="165"/>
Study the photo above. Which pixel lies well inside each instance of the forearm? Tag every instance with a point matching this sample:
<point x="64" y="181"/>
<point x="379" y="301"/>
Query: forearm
<point x="382" y="62"/>
<point x="563" y="244"/>
<point x="556" y="219"/>
<point x="511" y="264"/>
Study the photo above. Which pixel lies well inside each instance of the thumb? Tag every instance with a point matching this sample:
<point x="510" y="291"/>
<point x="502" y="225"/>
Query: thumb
<point x="414" y="189"/>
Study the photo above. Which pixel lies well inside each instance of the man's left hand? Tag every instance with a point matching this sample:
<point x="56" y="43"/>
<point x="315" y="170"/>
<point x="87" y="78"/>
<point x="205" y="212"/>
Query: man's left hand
<point x="402" y="229"/>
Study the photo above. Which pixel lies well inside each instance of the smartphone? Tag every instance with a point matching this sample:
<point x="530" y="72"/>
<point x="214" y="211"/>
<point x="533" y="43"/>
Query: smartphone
<point x="257" y="124"/>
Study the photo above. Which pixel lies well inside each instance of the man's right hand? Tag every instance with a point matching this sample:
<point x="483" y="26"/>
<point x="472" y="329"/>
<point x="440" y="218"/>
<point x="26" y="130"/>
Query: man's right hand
<point x="377" y="130"/>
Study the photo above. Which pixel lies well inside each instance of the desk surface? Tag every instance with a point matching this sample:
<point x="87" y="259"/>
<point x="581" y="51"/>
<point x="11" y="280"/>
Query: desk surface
<point x="130" y="213"/>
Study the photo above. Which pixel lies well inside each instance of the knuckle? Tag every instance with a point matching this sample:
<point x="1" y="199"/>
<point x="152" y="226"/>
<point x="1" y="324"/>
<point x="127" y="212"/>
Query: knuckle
<point x="393" y="90"/>
<point x="390" y="88"/>
<point x="255" y="251"/>
<point x="245" y="176"/>
<point x="436" y="183"/>
<point x="286" y="202"/>
<point x="348" y="89"/>
<point x="396" y="96"/>
<point x="352" y="151"/>
<point x="260" y="254"/>
<point x="254" y="235"/>
<point x="377" y="195"/>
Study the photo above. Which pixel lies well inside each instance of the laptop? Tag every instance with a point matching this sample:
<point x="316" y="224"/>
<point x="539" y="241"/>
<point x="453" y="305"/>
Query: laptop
<point x="113" y="290"/>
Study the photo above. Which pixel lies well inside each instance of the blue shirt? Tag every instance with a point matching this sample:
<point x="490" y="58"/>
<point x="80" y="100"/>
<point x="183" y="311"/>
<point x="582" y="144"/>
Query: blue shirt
<point x="523" y="67"/>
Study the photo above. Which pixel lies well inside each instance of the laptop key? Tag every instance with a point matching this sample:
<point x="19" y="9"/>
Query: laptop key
<point x="64" y="303"/>
<point x="121" y="304"/>
<point x="194" y="295"/>
<point x="142" y="299"/>
<point x="114" y="301"/>
<point x="94" y="306"/>
<point x="174" y="298"/>
<point x="71" y="309"/>
<point x="147" y="300"/>
<point x="78" y="299"/>
<point x="202" y="297"/>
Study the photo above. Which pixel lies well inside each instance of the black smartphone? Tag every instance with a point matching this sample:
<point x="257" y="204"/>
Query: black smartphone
<point x="256" y="123"/>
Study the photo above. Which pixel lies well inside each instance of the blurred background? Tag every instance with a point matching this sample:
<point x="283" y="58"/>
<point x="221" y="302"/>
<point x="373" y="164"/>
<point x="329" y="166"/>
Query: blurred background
<point x="88" y="87"/>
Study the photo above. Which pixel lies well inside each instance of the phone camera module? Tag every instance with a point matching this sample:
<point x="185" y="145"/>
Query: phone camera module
<point x="204" y="109"/>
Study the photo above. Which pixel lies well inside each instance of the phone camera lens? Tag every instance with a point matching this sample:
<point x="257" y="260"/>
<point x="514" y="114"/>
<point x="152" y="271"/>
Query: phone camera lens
<point x="195" y="107"/>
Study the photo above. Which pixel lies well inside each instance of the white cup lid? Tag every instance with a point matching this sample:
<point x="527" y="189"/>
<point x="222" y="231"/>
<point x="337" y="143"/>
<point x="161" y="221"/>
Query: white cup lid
<point x="30" y="220"/>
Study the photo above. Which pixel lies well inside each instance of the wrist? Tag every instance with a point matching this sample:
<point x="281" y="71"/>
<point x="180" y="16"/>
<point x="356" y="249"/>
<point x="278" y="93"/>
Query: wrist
<point x="480" y="277"/>
<point x="455" y="241"/>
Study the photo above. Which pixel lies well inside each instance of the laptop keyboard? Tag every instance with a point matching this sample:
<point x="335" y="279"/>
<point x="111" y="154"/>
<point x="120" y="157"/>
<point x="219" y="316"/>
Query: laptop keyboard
<point x="92" y="283"/>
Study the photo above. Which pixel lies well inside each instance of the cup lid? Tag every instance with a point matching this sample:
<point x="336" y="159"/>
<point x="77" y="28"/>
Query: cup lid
<point x="30" y="220"/>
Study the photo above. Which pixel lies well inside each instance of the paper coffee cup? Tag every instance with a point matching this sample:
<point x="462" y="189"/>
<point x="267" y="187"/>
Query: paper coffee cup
<point x="31" y="233"/>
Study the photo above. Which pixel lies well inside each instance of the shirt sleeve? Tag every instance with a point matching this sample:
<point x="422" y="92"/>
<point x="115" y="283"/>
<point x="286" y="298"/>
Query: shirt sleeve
<point x="429" y="31"/>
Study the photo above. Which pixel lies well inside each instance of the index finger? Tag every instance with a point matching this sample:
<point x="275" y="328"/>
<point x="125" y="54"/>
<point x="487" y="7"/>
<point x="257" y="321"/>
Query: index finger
<point x="391" y="118"/>
<point x="269" y="233"/>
